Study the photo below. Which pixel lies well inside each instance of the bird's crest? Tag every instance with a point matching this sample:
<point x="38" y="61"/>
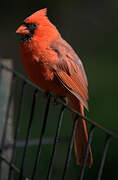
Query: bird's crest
<point x="37" y="15"/>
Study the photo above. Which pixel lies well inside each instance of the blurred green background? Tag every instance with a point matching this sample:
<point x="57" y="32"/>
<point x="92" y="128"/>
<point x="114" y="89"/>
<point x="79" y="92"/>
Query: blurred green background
<point x="91" y="27"/>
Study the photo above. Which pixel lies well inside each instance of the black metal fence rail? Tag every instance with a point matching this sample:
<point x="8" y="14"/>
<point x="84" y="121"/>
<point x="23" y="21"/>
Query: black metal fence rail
<point x="42" y="140"/>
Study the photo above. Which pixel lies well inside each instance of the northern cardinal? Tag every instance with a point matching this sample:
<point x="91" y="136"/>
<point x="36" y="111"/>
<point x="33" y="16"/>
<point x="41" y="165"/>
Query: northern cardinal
<point x="53" y="65"/>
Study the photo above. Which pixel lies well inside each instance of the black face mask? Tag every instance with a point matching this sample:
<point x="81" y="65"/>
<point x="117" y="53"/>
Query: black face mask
<point x="31" y="28"/>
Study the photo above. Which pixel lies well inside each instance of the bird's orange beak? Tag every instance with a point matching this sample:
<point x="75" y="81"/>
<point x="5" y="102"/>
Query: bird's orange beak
<point x="22" y="30"/>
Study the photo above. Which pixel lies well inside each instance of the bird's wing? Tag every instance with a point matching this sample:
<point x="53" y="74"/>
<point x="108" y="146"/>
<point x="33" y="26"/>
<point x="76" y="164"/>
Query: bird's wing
<point x="70" y="71"/>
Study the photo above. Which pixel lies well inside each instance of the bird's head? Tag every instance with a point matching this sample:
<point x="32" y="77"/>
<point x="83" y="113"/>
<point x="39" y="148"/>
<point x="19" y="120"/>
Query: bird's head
<point x="37" y="24"/>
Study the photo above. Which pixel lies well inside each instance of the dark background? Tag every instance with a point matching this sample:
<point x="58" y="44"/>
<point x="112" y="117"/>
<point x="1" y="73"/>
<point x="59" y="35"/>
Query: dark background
<point x="91" y="27"/>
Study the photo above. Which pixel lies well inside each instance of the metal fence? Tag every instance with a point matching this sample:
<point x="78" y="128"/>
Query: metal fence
<point x="38" y="143"/>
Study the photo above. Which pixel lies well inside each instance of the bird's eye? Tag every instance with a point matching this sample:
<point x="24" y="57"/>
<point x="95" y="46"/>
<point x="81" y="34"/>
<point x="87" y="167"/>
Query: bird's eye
<point x="34" y="25"/>
<point x="30" y="26"/>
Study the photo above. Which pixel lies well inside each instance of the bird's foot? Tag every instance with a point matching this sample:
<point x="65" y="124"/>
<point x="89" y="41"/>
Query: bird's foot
<point x="59" y="99"/>
<point x="46" y="94"/>
<point x="56" y="99"/>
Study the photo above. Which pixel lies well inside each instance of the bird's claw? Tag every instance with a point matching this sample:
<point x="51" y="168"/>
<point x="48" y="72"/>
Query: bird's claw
<point x="46" y="94"/>
<point x="56" y="99"/>
<point x="59" y="99"/>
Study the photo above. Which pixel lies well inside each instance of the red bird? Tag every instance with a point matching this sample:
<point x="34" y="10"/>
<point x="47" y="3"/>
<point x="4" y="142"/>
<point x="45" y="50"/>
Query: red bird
<point x="53" y="65"/>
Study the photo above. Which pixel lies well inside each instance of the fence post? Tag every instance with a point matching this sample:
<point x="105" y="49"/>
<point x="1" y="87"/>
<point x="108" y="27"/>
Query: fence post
<point x="5" y="87"/>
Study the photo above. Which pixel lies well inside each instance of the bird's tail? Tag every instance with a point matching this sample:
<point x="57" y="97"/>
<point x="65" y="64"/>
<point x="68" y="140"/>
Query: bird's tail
<point x="81" y="136"/>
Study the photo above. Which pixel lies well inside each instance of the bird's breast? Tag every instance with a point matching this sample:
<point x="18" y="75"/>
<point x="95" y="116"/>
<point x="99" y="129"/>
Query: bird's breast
<point x="38" y="67"/>
<point x="37" y="71"/>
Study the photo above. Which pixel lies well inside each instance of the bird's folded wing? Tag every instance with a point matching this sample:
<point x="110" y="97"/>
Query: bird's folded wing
<point x="70" y="72"/>
<point x="73" y="85"/>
